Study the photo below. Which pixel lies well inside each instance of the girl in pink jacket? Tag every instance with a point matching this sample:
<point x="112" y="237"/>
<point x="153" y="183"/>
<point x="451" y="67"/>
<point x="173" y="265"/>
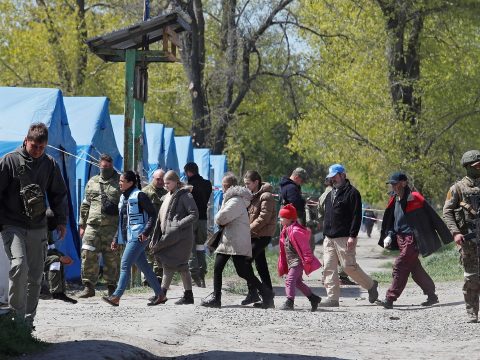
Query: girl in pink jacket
<point x="295" y="257"/>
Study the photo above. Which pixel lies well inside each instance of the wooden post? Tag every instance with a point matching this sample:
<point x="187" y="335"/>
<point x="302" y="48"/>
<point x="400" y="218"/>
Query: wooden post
<point x="130" y="59"/>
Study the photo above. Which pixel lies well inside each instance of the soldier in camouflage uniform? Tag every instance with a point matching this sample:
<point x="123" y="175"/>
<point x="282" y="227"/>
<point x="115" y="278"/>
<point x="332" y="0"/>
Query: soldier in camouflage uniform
<point x="459" y="213"/>
<point x="97" y="227"/>
<point x="155" y="193"/>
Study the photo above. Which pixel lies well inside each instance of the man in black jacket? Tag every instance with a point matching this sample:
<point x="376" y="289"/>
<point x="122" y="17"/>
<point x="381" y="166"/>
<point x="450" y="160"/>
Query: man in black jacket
<point x="341" y="224"/>
<point x="201" y="191"/>
<point x="291" y="192"/>
<point x="26" y="176"/>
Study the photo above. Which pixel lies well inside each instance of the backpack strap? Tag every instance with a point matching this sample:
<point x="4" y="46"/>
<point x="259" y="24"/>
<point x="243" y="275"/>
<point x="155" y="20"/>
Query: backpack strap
<point x="23" y="173"/>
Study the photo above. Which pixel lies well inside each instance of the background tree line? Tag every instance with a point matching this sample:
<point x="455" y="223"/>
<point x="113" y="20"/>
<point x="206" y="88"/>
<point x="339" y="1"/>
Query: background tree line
<point x="378" y="85"/>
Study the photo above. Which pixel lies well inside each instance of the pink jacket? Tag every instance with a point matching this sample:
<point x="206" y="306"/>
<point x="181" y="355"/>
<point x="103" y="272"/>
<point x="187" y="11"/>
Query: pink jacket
<point x="299" y="237"/>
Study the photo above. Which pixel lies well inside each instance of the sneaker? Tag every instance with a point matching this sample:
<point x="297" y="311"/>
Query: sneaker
<point x="288" y="305"/>
<point x="329" y="303"/>
<point x="387" y="304"/>
<point x="373" y="292"/>
<point x="314" y="301"/>
<point x="430" y="301"/>
<point x="213" y="302"/>
<point x="252" y="297"/>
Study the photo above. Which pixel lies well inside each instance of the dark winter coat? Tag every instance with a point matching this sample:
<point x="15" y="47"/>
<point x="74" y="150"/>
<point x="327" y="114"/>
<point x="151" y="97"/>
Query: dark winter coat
<point x="202" y="189"/>
<point x="429" y="230"/>
<point x="343" y="216"/>
<point x="292" y="194"/>
<point x="262" y="212"/>
<point x="172" y="239"/>
<point x="43" y="171"/>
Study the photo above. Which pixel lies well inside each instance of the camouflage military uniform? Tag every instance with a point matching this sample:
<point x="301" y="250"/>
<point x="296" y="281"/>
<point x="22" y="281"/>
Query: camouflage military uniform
<point x="156" y="197"/>
<point x="458" y="216"/>
<point x="99" y="232"/>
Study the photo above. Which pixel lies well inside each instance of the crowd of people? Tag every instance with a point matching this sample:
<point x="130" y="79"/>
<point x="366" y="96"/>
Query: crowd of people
<point x="162" y="230"/>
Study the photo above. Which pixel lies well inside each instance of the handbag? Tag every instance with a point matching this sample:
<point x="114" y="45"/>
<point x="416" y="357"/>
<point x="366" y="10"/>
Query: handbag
<point x="214" y="240"/>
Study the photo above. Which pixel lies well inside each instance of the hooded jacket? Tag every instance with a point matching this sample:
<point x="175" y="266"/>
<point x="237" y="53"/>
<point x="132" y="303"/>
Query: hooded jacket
<point x="429" y="231"/>
<point x="262" y="214"/>
<point x="44" y="172"/>
<point x="233" y="216"/>
<point x="292" y="194"/>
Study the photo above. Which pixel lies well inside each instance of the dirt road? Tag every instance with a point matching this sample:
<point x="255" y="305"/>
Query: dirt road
<point x="357" y="330"/>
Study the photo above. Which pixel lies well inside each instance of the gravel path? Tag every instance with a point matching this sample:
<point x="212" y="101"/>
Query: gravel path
<point x="357" y="330"/>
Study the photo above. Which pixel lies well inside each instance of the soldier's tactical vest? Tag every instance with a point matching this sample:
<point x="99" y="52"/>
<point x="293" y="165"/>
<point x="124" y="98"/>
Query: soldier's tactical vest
<point x="469" y="205"/>
<point x="136" y="219"/>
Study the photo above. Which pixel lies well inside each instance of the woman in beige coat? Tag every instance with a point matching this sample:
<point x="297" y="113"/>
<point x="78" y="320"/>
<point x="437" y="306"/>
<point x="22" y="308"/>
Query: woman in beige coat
<point x="235" y="242"/>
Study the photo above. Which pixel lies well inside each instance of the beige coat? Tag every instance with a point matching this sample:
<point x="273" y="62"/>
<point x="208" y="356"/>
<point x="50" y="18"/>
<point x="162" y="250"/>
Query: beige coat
<point x="233" y="216"/>
<point x="262" y="213"/>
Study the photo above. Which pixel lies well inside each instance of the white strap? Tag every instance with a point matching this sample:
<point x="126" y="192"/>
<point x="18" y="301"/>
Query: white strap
<point x="200" y="247"/>
<point x="88" y="247"/>
<point x="55" y="266"/>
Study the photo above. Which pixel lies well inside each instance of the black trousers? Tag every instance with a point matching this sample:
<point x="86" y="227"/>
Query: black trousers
<point x="243" y="268"/>
<point x="258" y="255"/>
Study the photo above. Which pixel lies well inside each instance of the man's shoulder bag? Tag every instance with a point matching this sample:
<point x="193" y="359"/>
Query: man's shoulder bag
<point x="32" y="196"/>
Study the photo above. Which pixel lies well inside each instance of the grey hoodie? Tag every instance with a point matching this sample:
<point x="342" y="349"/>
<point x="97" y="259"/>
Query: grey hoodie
<point x="45" y="172"/>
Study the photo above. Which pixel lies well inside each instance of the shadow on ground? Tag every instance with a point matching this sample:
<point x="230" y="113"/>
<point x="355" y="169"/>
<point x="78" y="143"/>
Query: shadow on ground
<point x="232" y="355"/>
<point x="352" y="291"/>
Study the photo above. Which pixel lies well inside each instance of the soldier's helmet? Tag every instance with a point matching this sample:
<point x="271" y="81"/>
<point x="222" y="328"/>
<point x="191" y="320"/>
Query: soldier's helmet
<point x="470" y="157"/>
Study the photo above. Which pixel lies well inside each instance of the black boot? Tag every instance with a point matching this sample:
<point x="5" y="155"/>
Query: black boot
<point x="214" y="302"/>
<point x="252" y="296"/>
<point x="63" y="297"/>
<point x="288" y="305"/>
<point x="314" y="301"/>
<point x="186" y="299"/>
<point x="267" y="297"/>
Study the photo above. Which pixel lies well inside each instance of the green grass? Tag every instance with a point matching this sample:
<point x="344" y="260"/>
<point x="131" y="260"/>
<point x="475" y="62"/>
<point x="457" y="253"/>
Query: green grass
<point x="16" y="339"/>
<point x="442" y="266"/>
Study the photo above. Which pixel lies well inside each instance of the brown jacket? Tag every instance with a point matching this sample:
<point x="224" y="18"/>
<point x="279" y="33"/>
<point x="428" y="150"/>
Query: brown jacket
<point x="261" y="212"/>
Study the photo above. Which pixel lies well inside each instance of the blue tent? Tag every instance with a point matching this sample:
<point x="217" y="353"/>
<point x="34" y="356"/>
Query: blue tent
<point x="118" y="124"/>
<point x="91" y="127"/>
<point x="184" y="147"/>
<point x="19" y="107"/>
<point x="202" y="158"/>
<point x="156" y="147"/>
<point x="219" y="165"/>
<point x="171" y="160"/>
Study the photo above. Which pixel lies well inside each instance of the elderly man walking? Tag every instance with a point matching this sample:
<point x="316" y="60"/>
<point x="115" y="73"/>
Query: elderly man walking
<point x="343" y="217"/>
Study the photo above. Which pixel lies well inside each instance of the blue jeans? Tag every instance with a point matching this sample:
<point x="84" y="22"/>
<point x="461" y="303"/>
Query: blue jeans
<point x="134" y="253"/>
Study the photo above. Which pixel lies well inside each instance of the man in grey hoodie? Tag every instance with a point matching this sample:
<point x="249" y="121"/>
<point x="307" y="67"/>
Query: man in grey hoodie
<point x="28" y="177"/>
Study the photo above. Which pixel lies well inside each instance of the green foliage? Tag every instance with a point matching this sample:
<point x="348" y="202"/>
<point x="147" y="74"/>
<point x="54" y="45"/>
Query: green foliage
<point x="16" y="339"/>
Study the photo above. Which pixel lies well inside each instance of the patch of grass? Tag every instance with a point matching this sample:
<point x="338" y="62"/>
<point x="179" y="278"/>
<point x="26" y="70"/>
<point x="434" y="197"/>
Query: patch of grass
<point x="442" y="266"/>
<point x="16" y="339"/>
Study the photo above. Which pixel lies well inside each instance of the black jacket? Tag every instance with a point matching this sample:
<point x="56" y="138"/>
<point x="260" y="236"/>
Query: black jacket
<point x="202" y="189"/>
<point x="43" y="171"/>
<point x="292" y="194"/>
<point x="429" y="230"/>
<point x="343" y="216"/>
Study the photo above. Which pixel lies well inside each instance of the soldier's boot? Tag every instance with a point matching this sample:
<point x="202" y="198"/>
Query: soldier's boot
<point x="186" y="299"/>
<point x="111" y="289"/>
<point x="88" y="291"/>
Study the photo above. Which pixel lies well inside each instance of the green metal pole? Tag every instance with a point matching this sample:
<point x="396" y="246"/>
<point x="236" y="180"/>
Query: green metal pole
<point x="130" y="59"/>
<point x="138" y="136"/>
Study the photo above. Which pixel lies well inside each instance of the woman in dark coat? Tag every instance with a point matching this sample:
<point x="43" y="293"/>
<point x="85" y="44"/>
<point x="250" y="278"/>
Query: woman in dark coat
<point x="173" y="235"/>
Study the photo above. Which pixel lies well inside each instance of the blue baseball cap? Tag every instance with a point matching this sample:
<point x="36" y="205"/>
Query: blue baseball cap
<point x="334" y="170"/>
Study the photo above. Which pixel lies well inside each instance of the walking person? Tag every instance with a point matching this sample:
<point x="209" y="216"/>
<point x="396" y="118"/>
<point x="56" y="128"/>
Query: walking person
<point x="413" y="227"/>
<point x="155" y="192"/>
<point x="343" y="217"/>
<point x="295" y="257"/>
<point x="263" y="220"/>
<point x="291" y="191"/>
<point x="29" y="177"/>
<point x="135" y="224"/>
<point x="173" y="239"/>
<point x="235" y="242"/>
<point x="97" y="226"/>
<point x="201" y="191"/>
<point x="460" y="212"/>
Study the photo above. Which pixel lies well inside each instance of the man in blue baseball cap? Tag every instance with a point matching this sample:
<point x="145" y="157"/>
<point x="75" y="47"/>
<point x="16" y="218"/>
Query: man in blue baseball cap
<point x="343" y="217"/>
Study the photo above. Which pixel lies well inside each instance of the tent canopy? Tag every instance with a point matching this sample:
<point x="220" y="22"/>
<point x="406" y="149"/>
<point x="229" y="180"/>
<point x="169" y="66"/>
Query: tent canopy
<point x="219" y="165"/>
<point x="202" y="158"/>
<point x="156" y="147"/>
<point x="184" y="147"/>
<point x="91" y="127"/>
<point x="171" y="160"/>
<point x="118" y="124"/>
<point x="19" y="108"/>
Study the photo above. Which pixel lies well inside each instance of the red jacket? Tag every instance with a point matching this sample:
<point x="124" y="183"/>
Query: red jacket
<point x="299" y="237"/>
